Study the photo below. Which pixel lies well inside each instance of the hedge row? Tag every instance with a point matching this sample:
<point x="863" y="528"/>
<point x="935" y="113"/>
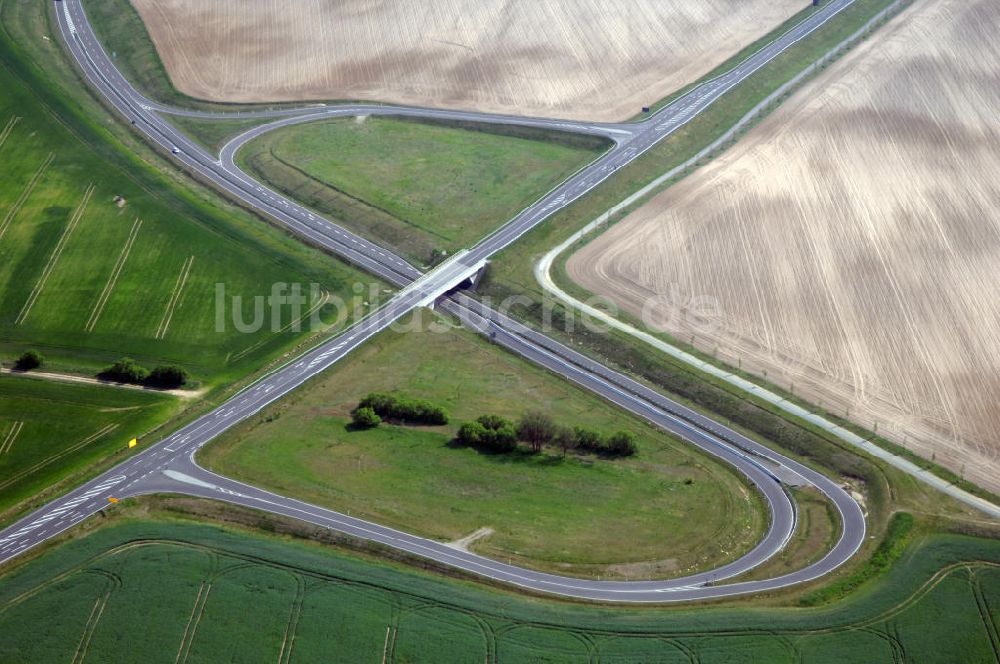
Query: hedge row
<point x="406" y="411"/>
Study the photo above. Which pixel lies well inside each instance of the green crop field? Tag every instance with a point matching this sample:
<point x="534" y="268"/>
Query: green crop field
<point x="416" y="187"/>
<point x="100" y="257"/>
<point x="174" y="591"/>
<point x="47" y="430"/>
<point x="625" y="517"/>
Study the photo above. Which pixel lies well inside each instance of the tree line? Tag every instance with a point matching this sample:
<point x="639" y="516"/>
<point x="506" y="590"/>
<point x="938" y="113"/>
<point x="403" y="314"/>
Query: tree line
<point x="492" y="432"/>
<point x="125" y="370"/>
<point x="380" y="407"/>
<point x="537" y="429"/>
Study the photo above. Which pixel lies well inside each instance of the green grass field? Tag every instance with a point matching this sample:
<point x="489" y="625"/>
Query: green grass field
<point x="415" y="187"/>
<point x="87" y="279"/>
<point x="48" y="430"/>
<point x="627" y="517"/>
<point x="175" y="591"/>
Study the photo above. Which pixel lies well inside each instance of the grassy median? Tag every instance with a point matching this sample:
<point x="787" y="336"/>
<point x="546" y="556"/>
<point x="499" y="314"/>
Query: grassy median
<point x="422" y="189"/>
<point x="642" y="516"/>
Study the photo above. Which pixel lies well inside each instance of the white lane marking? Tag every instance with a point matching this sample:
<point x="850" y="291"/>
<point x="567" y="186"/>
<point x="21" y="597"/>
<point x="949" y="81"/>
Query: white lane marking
<point x="69" y="19"/>
<point x="187" y="479"/>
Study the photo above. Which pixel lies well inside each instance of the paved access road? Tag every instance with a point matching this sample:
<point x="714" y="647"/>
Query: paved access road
<point x="169" y="465"/>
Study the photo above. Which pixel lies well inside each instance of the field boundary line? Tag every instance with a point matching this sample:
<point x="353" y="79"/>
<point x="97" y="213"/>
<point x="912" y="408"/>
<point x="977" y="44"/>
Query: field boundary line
<point x="175" y="297"/>
<point x="55" y="457"/>
<point x="25" y="193"/>
<point x="5" y="134"/>
<point x="12" y="435"/>
<point x="56" y="254"/>
<point x="113" y="277"/>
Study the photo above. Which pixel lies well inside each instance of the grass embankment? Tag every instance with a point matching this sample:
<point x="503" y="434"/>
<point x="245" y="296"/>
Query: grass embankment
<point x="47" y="430"/>
<point x="154" y="584"/>
<point x="625" y="517"/>
<point x="418" y="188"/>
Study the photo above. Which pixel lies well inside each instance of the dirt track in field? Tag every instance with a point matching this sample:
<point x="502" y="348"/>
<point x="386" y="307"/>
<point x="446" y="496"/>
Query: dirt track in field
<point x="851" y="241"/>
<point x="587" y="59"/>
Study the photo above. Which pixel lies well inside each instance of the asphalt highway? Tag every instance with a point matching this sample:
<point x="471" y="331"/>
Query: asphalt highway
<point x="168" y="466"/>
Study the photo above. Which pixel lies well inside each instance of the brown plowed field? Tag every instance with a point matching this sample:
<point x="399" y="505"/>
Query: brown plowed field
<point x="851" y="241"/>
<point x="588" y="59"/>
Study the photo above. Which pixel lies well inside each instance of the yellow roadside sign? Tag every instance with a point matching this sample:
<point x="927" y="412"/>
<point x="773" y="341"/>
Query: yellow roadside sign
<point x="113" y="500"/>
<point x="132" y="443"/>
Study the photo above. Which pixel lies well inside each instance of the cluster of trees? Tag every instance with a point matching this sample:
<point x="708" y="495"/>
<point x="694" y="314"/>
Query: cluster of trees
<point x="378" y="407"/>
<point x="619" y="444"/>
<point x="126" y="370"/>
<point x="29" y="360"/>
<point x="489" y="432"/>
<point x="536" y="429"/>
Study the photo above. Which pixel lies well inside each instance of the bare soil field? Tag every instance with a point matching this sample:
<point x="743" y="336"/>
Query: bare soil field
<point x="850" y="244"/>
<point x="587" y="59"/>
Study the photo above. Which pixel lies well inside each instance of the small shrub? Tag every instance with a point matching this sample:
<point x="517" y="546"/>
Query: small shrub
<point x="621" y="444"/>
<point x="365" y="418"/>
<point x="408" y="411"/>
<point x="471" y="434"/>
<point x="167" y="377"/>
<point x="492" y="421"/>
<point x="489" y="432"/>
<point x="125" y="370"/>
<point x="588" y="440"/>
<point x="30" y="359"/>
<point x="500" y="435"/>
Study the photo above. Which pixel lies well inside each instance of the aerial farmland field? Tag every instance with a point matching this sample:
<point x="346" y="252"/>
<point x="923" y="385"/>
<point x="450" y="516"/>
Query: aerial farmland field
<point x="590" y="59"/>
<point x="469" y="464"/>
<point x="48" y="431"/>
<point x="420" y="189"/>
<point x="172" y="590"/>
<point x="96" y="263"/>
<point x="845" y="243"/>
